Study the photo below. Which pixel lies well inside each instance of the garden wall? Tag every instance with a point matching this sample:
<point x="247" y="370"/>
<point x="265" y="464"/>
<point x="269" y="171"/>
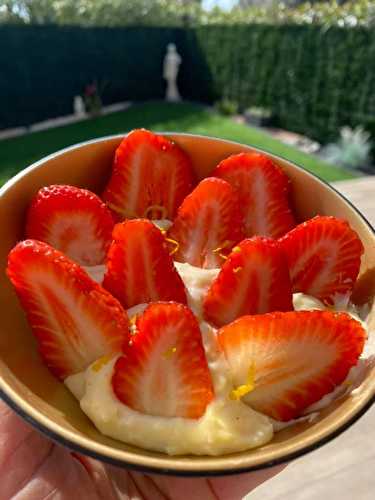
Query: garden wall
<point x="315" y="80"/>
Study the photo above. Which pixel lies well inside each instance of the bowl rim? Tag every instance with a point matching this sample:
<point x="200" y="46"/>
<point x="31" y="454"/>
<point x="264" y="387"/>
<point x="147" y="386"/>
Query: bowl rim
<point x="72" y="444"/>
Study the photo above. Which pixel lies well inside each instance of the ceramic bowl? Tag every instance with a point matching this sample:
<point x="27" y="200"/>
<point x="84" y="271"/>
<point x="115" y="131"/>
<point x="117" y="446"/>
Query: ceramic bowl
<point x="28" y="387"/>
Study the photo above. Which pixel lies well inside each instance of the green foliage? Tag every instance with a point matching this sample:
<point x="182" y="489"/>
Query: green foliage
<point x="226" y="107"/>
<point x="313" y="80"/>
<point x="185" y="12"/>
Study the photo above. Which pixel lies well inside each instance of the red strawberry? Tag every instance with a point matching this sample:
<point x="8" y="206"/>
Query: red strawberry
<point x="151" y="176"/>
<point x="73" y="220"/>
<point x="74" y="319"/>
<point x="208" y="224"/>
<point x="254" y="280"/>
<point x="264" y="191"/>
<point x="324" y="257"/>
<point x="292" y="359"/>
<point x="139" y="267"/>
<point x="164" y="371"/>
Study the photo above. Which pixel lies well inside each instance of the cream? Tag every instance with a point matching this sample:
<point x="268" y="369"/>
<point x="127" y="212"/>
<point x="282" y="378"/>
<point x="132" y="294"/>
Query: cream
<point x="227" y="425"/>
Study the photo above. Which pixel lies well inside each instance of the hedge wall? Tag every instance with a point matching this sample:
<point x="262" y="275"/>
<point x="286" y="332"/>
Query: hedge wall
<point x="43" y="67"/>
<point x="314" y="80"/>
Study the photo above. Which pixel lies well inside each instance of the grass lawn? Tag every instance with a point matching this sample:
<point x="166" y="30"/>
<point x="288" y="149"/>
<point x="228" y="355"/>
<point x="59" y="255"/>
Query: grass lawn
<point x="19" y="152"/>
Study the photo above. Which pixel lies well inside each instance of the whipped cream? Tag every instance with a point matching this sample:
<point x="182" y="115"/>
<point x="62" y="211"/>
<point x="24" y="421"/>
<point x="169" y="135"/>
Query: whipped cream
<point x="227" y="426"/>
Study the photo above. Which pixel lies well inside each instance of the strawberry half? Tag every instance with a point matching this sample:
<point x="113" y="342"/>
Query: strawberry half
<point x="264" y="193"/>
<point x="324" y="257"/>
<point x="74" y="320"/>
<point x="207" y="225"/>
<point x="150" y="178"/>
<point x="288" y="361"/>
<point x="139" y="267"/>
<point x="72" y="220"/>
<point x="254" y="280"/>
<point x="164" y="371"/>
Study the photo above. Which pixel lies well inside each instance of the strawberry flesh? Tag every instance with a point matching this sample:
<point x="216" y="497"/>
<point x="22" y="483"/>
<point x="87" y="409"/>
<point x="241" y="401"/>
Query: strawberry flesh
<point x="139" y="267"/>
<point x="163" y="370"/>
<point x="253" y="280"/>
<point x="74" y="320"/>
<point x="263" y="189"/>
<point x="72" y="220"/>
<point x="150" y="178"/>
<point x="324" y="257"/>
<point x="208" y="224"/>
<point x="295" y="357"/>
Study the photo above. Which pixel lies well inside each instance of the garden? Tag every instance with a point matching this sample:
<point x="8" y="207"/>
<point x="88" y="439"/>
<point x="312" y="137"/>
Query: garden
<point x="251" y="74"/>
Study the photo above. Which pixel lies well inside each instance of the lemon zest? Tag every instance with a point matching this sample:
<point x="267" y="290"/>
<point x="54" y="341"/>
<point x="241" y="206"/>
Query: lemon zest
<point x="133" y="325"/>
<point x="174" y="242"/>
<point x="244" y="389"/>
<point x="99" y="363"/>
<point x="236" y="249"/>
<point x="169" y="352"/>
<point x="219" y="249"/>
<point x="151" y="208"/>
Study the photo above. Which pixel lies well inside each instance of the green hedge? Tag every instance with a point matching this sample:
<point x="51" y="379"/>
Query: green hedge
<point x="43" y="67"/>
<point x="315" y="80"/>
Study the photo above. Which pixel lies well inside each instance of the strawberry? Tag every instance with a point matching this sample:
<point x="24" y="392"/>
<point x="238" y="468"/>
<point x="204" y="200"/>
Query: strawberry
<point x="72" y="220"/>
<point x="207" y="225"/>
<point x="139" y="267"/>
<point x="286" y="361"/>
<point x="324" y="257"/>
<point x="254" y="280"/>
<point x="151" y="176"/>
<point x="264" y="193"/>
<point x="164" y="371"/>
<point x="74" y="320"/>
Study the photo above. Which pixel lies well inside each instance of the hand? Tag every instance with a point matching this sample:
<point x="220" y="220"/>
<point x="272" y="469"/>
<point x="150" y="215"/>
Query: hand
<point x="34" y="468"/>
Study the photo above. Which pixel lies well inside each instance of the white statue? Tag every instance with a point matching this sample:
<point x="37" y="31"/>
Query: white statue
<point x="79" y="106"/>
<point x="172" y="61"/>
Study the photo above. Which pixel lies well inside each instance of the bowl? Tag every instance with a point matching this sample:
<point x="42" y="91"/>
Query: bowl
<point x="29" y="388"/>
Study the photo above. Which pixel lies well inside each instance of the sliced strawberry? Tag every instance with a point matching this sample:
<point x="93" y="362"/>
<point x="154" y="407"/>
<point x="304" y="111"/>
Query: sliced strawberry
<point x="73" y="318"/>
<point x="207" y="225"/>
<point x="151" y="176"/>
<point x="72" y="220"/>
<point x="254" y="280"/>
<point x="164" y="370"/>
<point x="293" y="358"/>
<point x="139" y="267"/>
<point x="324" y="257"/>
<point x="264" y="193"/>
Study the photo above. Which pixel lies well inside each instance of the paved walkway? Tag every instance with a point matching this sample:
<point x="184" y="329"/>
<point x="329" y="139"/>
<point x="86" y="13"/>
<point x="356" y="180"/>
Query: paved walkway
<point x="345" y="468"/>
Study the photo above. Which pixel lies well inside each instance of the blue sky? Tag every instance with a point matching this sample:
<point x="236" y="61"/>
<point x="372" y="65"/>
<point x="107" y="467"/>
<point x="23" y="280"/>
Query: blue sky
<point x="224" y="4"/>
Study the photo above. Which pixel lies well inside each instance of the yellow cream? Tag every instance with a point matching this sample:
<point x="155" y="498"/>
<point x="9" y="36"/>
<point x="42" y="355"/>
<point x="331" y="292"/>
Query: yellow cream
<point x="227" y="426"/>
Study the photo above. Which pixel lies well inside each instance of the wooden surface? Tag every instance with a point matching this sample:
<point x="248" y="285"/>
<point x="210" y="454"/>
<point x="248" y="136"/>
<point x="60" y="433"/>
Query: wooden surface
<point x="345" y="468"/>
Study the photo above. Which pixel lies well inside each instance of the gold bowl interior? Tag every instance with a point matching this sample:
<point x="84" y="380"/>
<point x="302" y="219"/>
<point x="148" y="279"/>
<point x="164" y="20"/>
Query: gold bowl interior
<point x="27" y="385"/>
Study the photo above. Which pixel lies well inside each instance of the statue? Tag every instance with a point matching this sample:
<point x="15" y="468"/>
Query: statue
<point x="79" y="106"/>
<point x="172" y="61"/>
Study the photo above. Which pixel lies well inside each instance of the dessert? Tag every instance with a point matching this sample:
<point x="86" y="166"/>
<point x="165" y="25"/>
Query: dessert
<point x="204" y="320"/>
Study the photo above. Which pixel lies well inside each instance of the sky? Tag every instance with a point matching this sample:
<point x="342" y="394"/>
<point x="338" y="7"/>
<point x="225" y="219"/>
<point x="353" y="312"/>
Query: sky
<point x="224" y="4"/>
